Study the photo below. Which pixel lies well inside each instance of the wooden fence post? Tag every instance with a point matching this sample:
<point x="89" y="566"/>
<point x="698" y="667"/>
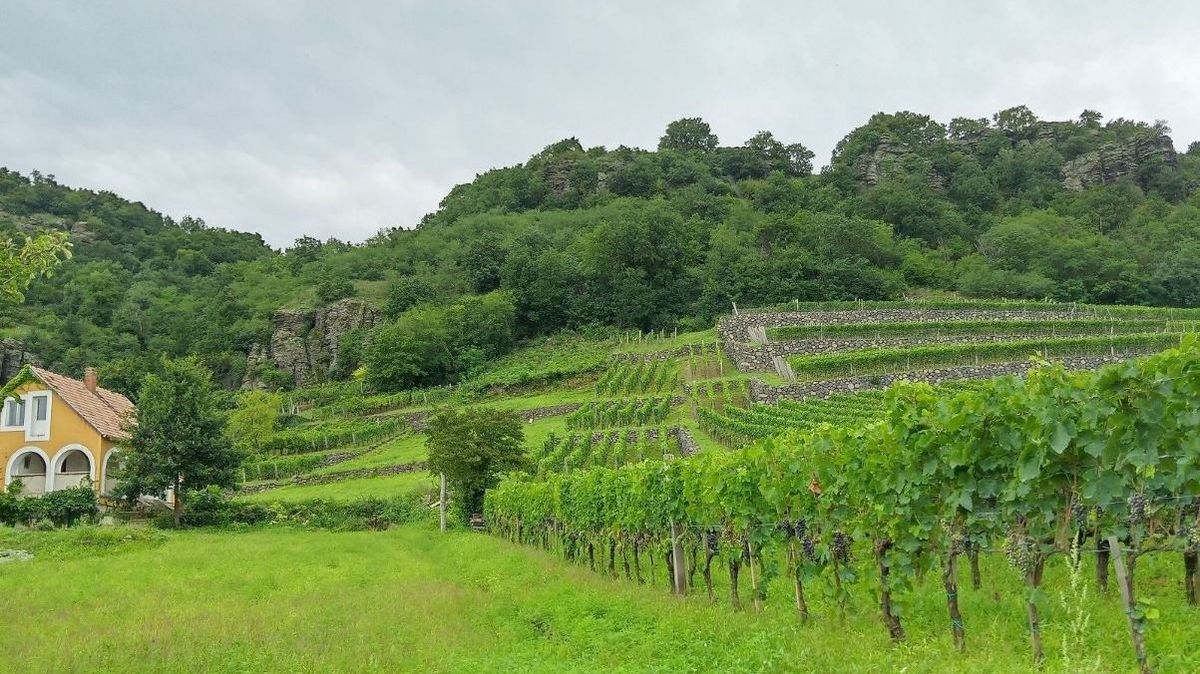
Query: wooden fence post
<point x="442" y="506"/>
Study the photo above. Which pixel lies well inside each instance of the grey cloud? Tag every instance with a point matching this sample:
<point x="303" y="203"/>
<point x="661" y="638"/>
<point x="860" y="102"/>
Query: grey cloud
<point x="336" y="119"/>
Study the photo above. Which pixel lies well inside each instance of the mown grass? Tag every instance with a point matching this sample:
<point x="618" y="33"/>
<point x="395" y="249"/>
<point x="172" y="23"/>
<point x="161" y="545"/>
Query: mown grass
<point x="388" y="485"/>
<point x="409" y="600"/>
<point x="406" y="448"/>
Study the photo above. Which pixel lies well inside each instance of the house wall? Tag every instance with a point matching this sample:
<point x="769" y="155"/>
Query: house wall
<point x="68" y="431"/>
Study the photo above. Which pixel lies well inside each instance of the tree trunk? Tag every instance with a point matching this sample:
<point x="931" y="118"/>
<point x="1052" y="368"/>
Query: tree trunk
<point x="1124" y="565"/>
<point x="625" y="560"/>
<point x="1189" y="576"/>
<point x="177" y="507"/>
<point x="637" y="564"/>
<point x="612" y="558"/>
<point x="798" y="578"/>
<point x="976" y="577"/>
<point x="591" y="556"/>
<point x="950" y="580"/>
<point x="735" y="567"/>
<point x="1102" y="555"/>
<point x="708" y="579"/>
<point x="890" y="619"/>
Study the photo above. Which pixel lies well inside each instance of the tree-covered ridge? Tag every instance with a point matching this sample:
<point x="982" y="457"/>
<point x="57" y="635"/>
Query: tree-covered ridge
<point x="577" y="237"/>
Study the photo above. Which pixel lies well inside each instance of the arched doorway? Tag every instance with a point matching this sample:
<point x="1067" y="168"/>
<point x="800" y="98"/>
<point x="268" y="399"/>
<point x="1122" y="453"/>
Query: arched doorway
<point x="28" y="466"/>
<point x="113" y="470"/>
<point x="73" y="465"/>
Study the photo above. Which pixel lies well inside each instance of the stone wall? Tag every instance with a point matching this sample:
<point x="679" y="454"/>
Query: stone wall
<point x="335" y="477"/>
<point x="762" y="392"/>
<point x="749" y="355"/>
<point x="308" y="344"/>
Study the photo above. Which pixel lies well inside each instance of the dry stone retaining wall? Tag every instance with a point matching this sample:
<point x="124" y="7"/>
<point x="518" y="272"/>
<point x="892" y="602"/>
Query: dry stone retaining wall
<point x="752" y="356"/>
<point x="761" y="392"/>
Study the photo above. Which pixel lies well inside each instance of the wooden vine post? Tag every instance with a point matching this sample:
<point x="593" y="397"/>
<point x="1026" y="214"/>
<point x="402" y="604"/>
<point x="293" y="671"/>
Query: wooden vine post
<point x="678" y="561"/>
<point x="1125" y="585"/>
<point x="442" y="505"/>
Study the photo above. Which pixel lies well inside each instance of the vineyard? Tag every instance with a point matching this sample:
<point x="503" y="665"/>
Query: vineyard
<point x="1104" y="463"/>
<point x="610" y="449"/>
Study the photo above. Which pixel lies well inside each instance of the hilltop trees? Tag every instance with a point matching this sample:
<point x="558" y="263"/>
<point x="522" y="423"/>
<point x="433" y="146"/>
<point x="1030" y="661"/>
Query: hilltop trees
<point x="1003" y="205"/>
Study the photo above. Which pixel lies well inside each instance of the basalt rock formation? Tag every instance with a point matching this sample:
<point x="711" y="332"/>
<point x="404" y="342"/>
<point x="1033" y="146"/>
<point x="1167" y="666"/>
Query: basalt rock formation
<point x="309" y="344"/>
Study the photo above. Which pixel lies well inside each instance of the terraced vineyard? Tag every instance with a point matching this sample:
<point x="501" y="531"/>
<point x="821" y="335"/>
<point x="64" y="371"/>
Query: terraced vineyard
<point x="736" y="426"/>
<point x="609" y="449"/>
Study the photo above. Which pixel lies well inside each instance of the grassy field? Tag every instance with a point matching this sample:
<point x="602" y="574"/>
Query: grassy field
<point x="390" y="485"/>
<point x="409" y="600"/>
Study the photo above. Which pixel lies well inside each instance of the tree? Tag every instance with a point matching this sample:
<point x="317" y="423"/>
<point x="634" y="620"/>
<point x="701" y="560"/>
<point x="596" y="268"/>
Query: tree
<point x="332" y="286"/>
<point x="179" y="437"/>
<point x="256" y="415"/>
<point x="690" y="134"/>
<point x="472" y="448"/>
<point x="405" y="293"/>
<point x="33" y="258"/>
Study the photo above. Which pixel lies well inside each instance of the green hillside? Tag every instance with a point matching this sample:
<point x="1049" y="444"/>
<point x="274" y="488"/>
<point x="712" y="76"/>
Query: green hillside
<point x="585" y="238"/>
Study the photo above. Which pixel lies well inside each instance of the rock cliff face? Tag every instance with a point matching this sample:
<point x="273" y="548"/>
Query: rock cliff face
<point x="13" y="357"/>
<point x="1116" y="160"/>
<point x="308" y="344"/>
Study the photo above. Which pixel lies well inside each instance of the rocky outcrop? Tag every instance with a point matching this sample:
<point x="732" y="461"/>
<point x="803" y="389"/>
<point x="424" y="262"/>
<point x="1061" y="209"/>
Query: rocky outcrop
<point x="1113" y="161"/>
<point x="13" y="357"/>
<point x="308" y="344"/>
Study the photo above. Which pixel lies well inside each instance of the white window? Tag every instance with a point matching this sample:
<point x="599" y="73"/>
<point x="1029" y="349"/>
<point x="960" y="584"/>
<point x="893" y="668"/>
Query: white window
<point x="14" y="414"/>
<point x="39" y="422"/>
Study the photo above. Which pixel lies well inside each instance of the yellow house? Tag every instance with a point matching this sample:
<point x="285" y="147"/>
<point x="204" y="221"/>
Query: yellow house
<point x="56" y="432"/>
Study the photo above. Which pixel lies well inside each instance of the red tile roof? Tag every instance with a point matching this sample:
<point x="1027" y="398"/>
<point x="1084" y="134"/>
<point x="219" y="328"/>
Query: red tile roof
<point x="107" y="411"/>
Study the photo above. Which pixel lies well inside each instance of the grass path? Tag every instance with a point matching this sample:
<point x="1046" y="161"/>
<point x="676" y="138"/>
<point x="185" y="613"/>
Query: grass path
<point x="408" y="600"/>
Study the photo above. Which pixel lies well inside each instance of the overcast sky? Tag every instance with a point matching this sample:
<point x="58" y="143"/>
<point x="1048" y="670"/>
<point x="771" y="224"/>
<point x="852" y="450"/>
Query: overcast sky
<point x="339" y="118"/>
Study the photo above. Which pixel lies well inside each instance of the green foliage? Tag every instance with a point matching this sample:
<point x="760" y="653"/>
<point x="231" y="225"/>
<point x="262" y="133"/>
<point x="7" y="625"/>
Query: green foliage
<point x="580" y="236"/>
<point x="1031" y="465"/>
<point x="254" y="417"/>
<point x="180" y="436"/>
<point x="213" y="508"/>
<point x="35" y="257"/>
<point x="61" y="507"/>
<point x="473" y="448"/>
<point x="432" y="345"/>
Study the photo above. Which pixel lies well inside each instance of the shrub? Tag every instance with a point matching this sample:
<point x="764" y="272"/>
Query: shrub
<point x="211" y="507"/>
<point x="63" y="508"/>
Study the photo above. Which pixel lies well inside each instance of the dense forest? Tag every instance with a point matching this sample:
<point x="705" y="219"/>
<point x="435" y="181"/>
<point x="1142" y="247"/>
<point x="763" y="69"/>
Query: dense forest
<point x="581" y="238"/>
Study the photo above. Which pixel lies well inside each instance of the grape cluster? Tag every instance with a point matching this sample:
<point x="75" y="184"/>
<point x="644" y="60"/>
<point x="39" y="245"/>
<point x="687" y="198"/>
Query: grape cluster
<point x="711" y="537"/>
<point x="1137" y="508"/>
<point x="1020" y="552"/>
<point x="785" y="528"/>
<point x="801" y="528"/>
<point x="1080" y="513"/>
<point x="841" y="548"/>
<point x="810" y="549"/>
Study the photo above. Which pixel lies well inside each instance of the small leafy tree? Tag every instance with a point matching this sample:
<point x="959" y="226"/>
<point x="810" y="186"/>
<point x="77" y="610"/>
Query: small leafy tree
<point x="35" y="257"/>
<point x="472" y="448"/>
<point x="254" y="418"/>
<point x="179" y="438"/>
<point x="690" y="134"/>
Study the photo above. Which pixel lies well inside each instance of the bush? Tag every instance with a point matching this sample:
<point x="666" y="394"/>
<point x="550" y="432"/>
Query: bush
<point x="63" y="508"/>
<point x="211" y="507"/>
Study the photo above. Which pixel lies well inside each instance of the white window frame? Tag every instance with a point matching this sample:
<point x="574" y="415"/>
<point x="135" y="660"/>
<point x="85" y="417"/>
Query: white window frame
<point x="8" y="402"/>
<point x="29" y="436"/>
